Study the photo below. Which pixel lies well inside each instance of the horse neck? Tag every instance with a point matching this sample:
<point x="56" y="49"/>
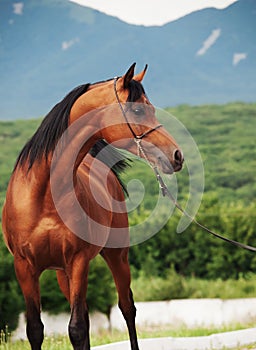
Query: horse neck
<point x="74" y="144"/>
<point x="59" y="168"/>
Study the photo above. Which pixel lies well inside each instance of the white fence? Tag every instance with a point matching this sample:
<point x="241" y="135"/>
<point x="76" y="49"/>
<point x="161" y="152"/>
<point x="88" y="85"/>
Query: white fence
<point x="190" y="313"/>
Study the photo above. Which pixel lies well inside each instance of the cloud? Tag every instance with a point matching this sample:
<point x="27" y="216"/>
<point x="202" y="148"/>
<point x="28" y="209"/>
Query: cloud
<point x="18" y="8"/>
<point x="209" y="42"/>
<point x="67" y="44"/>
<point x="150" y="12"/>
<point x="237" y="57"/>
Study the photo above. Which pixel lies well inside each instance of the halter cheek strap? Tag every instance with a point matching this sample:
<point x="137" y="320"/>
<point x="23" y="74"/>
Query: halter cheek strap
<point x="137" y="138"/>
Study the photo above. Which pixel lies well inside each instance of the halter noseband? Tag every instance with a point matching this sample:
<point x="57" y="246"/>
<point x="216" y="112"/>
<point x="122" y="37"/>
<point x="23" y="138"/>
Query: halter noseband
<point x="137" y="138"/>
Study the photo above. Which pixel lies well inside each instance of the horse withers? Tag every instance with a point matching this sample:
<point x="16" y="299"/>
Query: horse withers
<point x="63" y="206"/>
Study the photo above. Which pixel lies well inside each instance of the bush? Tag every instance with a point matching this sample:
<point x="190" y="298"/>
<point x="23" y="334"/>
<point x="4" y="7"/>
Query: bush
<point x="148" y="288"/>
<point x="196" y="252"/>
<point x="174" y="286"/>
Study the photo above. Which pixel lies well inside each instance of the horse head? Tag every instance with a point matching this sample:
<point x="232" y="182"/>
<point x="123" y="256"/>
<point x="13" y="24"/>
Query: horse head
<point x="121" y="113"/>
<point x="136" y="127"/>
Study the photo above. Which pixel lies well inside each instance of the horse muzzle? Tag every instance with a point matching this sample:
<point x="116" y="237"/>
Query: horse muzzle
<point x="171" y="166"/>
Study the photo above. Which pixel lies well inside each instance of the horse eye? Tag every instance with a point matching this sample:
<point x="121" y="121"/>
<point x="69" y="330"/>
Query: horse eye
<point x="138" y="111"/>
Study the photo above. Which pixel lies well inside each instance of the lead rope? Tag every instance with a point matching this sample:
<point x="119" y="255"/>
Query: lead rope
<point x="165" y="192"/>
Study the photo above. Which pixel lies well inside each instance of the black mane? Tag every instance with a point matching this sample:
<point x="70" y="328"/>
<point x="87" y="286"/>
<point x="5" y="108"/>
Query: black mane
<point x="45" y="139"/>
<point x="49" y="132"/>
<point x="112" y="158"/>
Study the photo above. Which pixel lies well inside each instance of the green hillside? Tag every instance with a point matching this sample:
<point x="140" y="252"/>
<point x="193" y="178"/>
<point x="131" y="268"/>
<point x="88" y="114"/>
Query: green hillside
<point x="226" y="139"/>
<point x="225" y="136"/>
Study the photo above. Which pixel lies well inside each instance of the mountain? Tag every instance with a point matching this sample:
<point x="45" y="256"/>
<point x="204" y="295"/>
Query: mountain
<point x="48" y="47"/>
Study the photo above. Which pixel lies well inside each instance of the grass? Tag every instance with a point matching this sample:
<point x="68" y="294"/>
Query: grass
<point x="106" y="337"/>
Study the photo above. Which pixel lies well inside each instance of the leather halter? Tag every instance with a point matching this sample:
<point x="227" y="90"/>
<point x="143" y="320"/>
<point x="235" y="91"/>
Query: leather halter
<point x="137" y="138"/>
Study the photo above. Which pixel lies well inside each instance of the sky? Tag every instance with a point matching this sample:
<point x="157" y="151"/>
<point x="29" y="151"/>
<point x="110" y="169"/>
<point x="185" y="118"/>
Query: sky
<point x="151" y="12"/>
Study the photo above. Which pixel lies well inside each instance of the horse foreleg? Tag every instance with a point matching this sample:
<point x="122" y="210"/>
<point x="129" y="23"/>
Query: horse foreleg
<point x="28" y="279"/>
<point x="79" y="321"/>
<point x="117" y="260"/>
<point x="63" y="282"/>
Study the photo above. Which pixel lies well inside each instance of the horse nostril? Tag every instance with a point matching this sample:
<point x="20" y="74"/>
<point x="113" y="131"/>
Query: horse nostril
<point x="178" y="157"/>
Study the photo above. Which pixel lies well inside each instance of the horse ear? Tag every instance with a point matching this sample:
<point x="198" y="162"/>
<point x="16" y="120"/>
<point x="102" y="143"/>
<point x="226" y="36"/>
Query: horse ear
<point x="139" y="77"/>
<point x="128" y="76"/>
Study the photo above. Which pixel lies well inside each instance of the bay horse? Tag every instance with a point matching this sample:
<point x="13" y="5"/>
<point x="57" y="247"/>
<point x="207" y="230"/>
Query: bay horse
<point x="42" y="237"/>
